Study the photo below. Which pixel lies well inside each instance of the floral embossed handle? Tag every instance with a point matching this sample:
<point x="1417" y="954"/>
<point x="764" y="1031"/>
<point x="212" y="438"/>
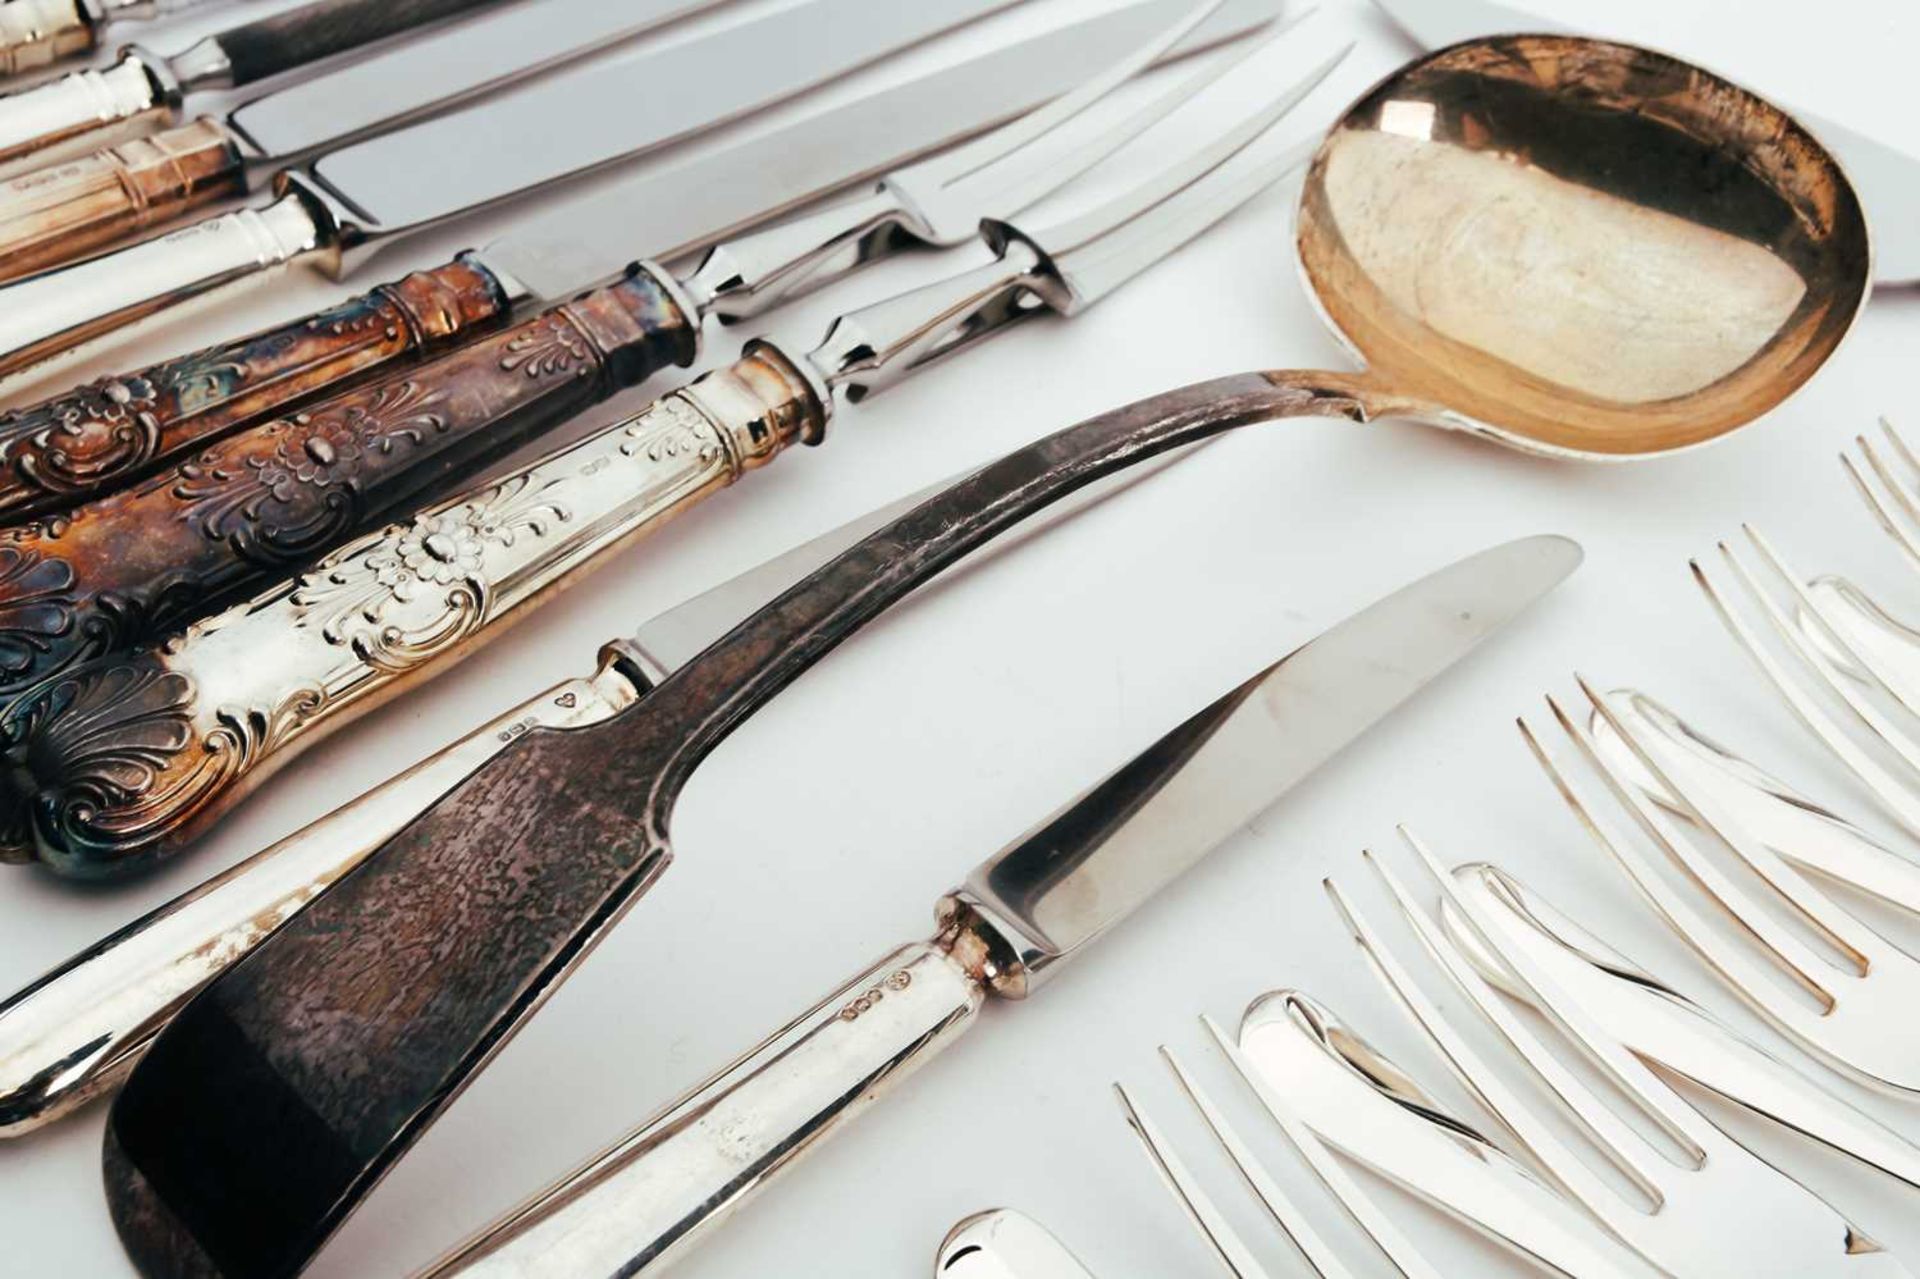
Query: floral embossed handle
<point x="99" y="438"/>
<point x="122" y="760"/>
<point x="128" y="568"/>
<point x="69" y="210"/>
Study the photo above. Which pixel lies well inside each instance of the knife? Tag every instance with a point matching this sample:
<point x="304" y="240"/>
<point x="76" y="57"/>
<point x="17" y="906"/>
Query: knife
<point x="332" y="212"/>
<point x="88" y="109"/>
<point x="1887" y="180"/>
<point x="240" y="692"/>
<point x="72" y="1036"/>
<point x="1009" y="927"/>
<point x="405" y="977"/>
<point x="1004" y="1244"/>
<point x="39" y="33"/>
<point x="98" y="438"/>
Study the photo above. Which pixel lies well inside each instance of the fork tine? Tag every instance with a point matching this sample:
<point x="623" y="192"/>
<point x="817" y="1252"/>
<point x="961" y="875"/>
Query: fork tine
<point x="963" y="160"/>
<point x="1027" y="173"/>
<point x="1895" y="795"/>
<point x="1900" y="532"/>
<point x="1200" y="1210"/>
<point x="1889" y="649"/>
<point x="1747" y="977"/>
<point x="1285" y="1213"/>
<point x="1623" y="1146"/>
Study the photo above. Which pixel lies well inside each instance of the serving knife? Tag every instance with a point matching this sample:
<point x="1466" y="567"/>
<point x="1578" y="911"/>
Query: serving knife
<point x="96" y="107"/>
<point x="39" y="33"/>
<point x="390" y="605"/>
<point x="348" y="1031"/>
<point x="101" y="437"/>
<point x="72" y="1036"/>
<point x="1887" y="180"/>
<point x="331" y="212"/>
<point x="1014" y="921"/>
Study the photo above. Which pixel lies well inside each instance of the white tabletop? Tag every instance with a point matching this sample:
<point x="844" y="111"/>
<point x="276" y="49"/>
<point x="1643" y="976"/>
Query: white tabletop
<point x="822" y="833"/>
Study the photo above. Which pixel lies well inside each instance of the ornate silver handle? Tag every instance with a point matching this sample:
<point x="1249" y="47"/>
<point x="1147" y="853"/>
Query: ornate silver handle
<point x="74" y="1034"/>
<point x="649" y="1198"/>
<point x="48" y="319"/>
<point x="212" y="712"/>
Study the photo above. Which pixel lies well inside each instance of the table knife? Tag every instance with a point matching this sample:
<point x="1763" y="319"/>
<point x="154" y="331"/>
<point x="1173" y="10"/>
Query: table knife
<point x="405" y="977"/>
<point x="1004" y="1244"/>
<point x="99" y="438"/>
<point x="39" y="33"/>
<point x="71" y="1036"/>
<point x="1010" y="926"/>
<point x="389" y="606"/>
<point x="1888" y="180"/>
<point x="89" y="109"/>
<point x="333" y="211"/>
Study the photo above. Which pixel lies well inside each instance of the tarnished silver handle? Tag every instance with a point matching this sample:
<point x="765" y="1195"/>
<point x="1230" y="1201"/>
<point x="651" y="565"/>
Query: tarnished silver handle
<point x="643" y="1202"/>
<point x="213" y="712"/>
<point x="74" y="1034"/>
<point x="48" y="319"/>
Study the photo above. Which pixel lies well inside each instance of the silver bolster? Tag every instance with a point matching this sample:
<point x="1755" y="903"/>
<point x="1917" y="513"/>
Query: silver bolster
<point x="753" y="273"/>
<point x="84" y="111"/>
<point x="47" y="320"/>
<point x="74" y="1034"/>
<point x="38" y="33"/>
<point x="872" y="348"/>
<point x="645" y="1201"/>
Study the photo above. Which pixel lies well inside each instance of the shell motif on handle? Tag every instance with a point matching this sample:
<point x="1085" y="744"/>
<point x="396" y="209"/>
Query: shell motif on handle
<point x="124" y="760"/>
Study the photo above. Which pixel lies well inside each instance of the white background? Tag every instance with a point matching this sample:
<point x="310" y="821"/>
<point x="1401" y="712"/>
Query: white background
<point x="822" y="833"/>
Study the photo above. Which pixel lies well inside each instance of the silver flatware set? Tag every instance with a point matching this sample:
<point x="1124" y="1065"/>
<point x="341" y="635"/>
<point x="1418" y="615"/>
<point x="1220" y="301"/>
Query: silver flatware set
<point x="1567" y="246"/>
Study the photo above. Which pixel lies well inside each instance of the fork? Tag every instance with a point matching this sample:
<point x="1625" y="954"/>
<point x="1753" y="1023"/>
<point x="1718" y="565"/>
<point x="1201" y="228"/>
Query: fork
<point x="939" y="202"/>
<point x="1684" y="792"/>
<point x="1328" y="1089"/>
<point x="1714" y="1178"/>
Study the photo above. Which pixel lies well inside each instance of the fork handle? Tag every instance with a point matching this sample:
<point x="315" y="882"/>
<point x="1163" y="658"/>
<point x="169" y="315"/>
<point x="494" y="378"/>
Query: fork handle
<point x="653" y="1196"/>
<point x="98" y="438"/>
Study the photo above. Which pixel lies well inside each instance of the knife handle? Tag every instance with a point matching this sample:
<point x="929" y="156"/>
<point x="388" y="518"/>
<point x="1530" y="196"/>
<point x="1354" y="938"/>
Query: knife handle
<point x="66" y="212"/>
<point x="84" y="110"/>
<point x="97" y="439"/>
<point x="39" y="33"/>
<point x="300" y="36"/>
<point x="124" y="760"/>
<point x="125" y="569"/>
<point x="644" y="1201"/>
<point x="49" y="319"/>
<point x="75" y="1033"/>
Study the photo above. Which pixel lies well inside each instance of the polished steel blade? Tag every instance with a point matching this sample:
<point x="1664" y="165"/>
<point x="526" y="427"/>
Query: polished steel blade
<point x="1101" y="857"/>
<point x="668" y="210"/>
<point x="578" y="120"/>
<point x="675" y="637"/>
<point x="427" y="75"/>
<point x="1887" y="180"/>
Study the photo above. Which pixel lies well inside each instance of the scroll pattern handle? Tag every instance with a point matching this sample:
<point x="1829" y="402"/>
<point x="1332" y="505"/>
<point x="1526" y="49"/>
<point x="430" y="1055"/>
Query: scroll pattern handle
<point x="122" y="761"/>
<point x="99" y="438"/>
<point x="127" y="569"/>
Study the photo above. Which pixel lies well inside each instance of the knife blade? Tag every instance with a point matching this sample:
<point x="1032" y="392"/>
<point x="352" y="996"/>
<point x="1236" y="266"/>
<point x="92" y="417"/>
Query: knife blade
<point x="335" y="211"/>
<point x="89" y="109"/>
<point x="1017" y="917"/>
<point x="71" y="1036"/>
<point x="71" y="448"/>
<point x="1887" y="179"/>
<point x="556" y="839"/>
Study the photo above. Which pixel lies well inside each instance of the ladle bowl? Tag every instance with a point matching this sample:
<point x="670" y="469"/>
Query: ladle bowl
<point x="1577" y="247"/>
